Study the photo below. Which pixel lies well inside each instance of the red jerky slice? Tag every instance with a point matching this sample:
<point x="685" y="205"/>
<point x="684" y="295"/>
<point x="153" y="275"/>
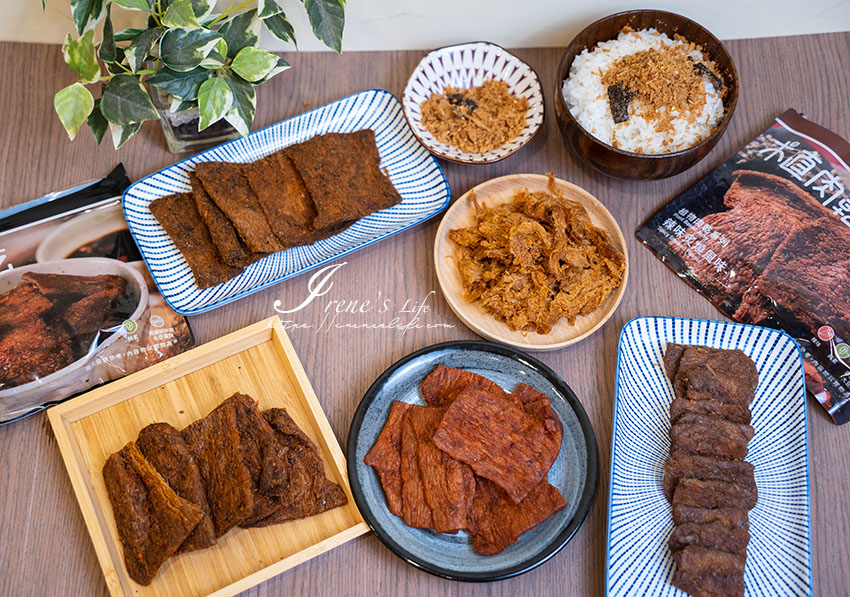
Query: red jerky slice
<point x="415" y="509"/>
<point x="443" y="383"/>
<point x="497" y="522"/>
<point x="447" y="483"/>
<point x="385" y="456"/>
<point x="498" y="440"/>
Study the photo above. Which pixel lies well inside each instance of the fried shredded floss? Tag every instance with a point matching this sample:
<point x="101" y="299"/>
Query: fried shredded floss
<point x="536" y="260"/>
<point x="477" y="119"/>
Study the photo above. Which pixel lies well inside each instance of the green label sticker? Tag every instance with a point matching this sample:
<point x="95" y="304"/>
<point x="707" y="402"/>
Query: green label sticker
<point x="130" y="326"/>
<point x="842" y="350"/>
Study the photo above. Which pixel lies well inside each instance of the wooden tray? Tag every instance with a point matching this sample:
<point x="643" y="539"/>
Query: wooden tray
<point x="258" y="360"/>
<point x="495" y="192"/>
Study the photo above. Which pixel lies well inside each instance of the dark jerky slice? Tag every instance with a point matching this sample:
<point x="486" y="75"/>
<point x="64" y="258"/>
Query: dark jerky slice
<point x="497" y="522"/>
<point x="31" y="350"/>
<point x="214" y="443"/>
<point x="683" y="464"/>
<point x="385" y="457"/>
<point x="672" y="356"/>
<point x="414" y="507"/>
<point x="152" y="520"/>
<point x="539" y="406"/>
<point x="21" y="302"/>
<point x="231" y="248"/>
<point x="618" y="102"/>
<point x="702" y="572"/>
<point x="444" y="479"/>
<point x="722" y="440"/>
<point x="178" y="216"/>
<point x="309" y="491"/>
<point x="89" y="314"/>
<point x="64" y="287"/>
<point x="441" y="386"/>
<point x="341" y="171"/>
<point x="714" y="535"/>
<point x="498" y="440"/>
<point x="712" y="494"/>
<point x="727" y="376"/>
<point x="229" y="189"/>
<point x="165" y="449"/>
<point x="734" y="413"/>
<point x="728" y="517"/>
<point x="283" y="198"/>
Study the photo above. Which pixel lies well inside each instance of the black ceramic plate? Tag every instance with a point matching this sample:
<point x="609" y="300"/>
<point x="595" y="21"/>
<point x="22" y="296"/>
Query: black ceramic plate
<point x="453" y="556"/>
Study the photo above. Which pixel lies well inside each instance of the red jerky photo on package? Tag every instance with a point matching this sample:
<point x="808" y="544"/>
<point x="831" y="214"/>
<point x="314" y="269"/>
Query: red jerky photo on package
<point x="766" y="238"/>
<point x="78" y="307"/>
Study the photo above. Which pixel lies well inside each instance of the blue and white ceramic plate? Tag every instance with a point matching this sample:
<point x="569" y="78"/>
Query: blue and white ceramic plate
<point x="413" y="171"/>
<point x="640" y="518"/>
<point x="574" y="473"/>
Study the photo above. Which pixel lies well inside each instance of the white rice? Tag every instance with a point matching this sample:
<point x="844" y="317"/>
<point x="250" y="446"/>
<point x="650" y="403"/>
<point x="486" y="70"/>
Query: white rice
<point x="587" y="99"/>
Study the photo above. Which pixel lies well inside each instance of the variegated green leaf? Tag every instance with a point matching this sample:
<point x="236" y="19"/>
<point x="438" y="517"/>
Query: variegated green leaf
<point x="125" y="101"/>
<point x="140" y="48"/>
<point x="184" y="49"/>
<point x="202" y="8"/>
<point x="180" y="14"/>
<point x="87" y="14"/>
<point x="180" y="85"/>
<point x="281" y="66"/>
<point x="135" y="4"/>
<point x="73" y="104"/>
<point x="253" y="64"/>
<point x="240" y="31"/>
<point x="214" y="100"/>
<point x="122" y="134"/>
<point x="327" y="18"/>
<point x="280" y="27"/>
<point x="241" y="114"/>
<point x="97" y="123"/>
<point x="267" y="8"/>
<point x="128" y="34"/>
<point x="79" y="54"/>
<point x="107" y="51"/>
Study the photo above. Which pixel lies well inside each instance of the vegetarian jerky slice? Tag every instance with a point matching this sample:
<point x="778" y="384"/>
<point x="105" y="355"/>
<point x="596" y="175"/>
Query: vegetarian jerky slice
<point x="728" y="517"/>
<point x="720" y="439"/>
<point x="498" y="440"/>
<point x="672" y="356"/>
<point x="385" y="457"/>
<point x="214" y="443"/>
<point x="91" y="313"/>
<point x="283" y="198"/>
<point x="152" y="520"/>
<point x="702" y="572"/>
<point x="445" y="481"/>
<point x="682" y="464"/>
<point x="414" y="507"/>
<point x="496" y="521"/>
<point x="341" y="171"/>
<point x="712" y="494"/>
<point x="165" y="449"/>
<point x="179" y="217"/>
<point x="727" y="376"/>
<point x="539" y="406"/>
<point x="309" y="491"/>
<point x="734" y="413"/>
<point x="230" y="247"/>
<point x="714" y="535"/>
<point x="442" y="385"/>
<point x="229" y="189"/>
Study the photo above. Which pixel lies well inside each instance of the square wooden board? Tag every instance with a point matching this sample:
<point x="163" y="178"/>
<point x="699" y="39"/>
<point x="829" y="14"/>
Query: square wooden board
<point x="259" y="361"/>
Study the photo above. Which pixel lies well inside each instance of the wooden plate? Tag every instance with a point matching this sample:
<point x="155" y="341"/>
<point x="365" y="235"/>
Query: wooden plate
<point x="495" y="192"/>
<point x="258" y="360"/>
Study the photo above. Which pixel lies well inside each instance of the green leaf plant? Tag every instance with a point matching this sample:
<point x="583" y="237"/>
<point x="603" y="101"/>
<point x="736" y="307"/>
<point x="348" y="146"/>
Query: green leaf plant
<point x="203" y="60"/>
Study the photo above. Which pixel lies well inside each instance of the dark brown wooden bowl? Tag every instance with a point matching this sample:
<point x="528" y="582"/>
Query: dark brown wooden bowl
<point x="625" y="164"/>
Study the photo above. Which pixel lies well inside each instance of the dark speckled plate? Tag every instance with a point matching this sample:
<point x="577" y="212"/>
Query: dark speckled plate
<point x="453" y="556"/>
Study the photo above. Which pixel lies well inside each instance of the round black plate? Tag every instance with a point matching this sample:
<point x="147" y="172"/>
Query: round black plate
<point x="574" y="473"/>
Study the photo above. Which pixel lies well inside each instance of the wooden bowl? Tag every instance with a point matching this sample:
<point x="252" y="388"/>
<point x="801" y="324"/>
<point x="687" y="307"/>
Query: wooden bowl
<point x="625" y="164"/>
<point x="495" y="192"/>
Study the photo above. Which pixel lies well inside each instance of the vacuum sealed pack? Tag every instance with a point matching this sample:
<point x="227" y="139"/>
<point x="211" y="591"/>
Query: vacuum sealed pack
<point x="77" y="305"/>
<point x="766" y="237"/>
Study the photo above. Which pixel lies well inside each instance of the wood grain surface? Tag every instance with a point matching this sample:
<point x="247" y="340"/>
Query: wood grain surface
<point x="45" y="549"/>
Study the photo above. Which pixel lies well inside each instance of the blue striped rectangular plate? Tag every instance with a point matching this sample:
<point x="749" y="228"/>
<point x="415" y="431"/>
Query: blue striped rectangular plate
<point x="640" y="518"/>
<point x="412" y="169"/>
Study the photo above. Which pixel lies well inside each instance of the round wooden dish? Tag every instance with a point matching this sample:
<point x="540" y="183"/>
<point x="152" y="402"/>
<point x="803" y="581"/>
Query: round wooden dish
<point x="625" y="164"/>
<point x="495" y="192"/>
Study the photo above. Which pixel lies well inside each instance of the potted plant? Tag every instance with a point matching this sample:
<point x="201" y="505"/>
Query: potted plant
<point x="200" y="67"/>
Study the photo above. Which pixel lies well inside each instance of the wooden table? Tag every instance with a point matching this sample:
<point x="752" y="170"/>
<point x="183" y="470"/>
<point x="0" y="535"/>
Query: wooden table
<point x="44" y="546"/>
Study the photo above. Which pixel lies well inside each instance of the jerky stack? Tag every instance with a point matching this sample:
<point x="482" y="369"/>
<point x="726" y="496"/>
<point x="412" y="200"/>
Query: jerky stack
<point x="706" y="478"/>
<point x="238" y="213"/>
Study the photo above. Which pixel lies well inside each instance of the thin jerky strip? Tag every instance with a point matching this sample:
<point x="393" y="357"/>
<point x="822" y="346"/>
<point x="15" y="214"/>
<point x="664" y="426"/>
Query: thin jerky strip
<point x="229" y="189"/>
<point x="385" y="457"/>
<point x="179" y="217"/>
<point x="442" y="385"/>
<point x="415" y="509"/>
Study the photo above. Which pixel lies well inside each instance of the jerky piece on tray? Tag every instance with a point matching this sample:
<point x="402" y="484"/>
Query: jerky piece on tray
<point x="718" y="438"/>
<point x="672" y="356"/>
<point x="229" y="189"/>
<point x="498" y="440"/>
<point x="152" y="520"/>
<point x="712" y="494"/>
<point x="714" y="535"/>
<point x="309" y="491"/>
<point x="385" y="456"/>
<point x="231" y="248"/>
<point x="449" y="485"/>
<point x="342" y="174"/>
<point x="727" y="376"/>
<point x="734" y="413"/>
<point x="702" y="572"/>
<point x="496" y="522"/>
<point x="683" y="464"/>
<point x="728" y="517"/>
<point x="214" y="443"/>
<point x="91" y="313"/>
<point x="441" y="386"/>
<point x="165" y="449"/>
<point x="283" y="198"/>
<point x="178" y="215"/>
<point x="539" y="406"/>
<point x="415" y="509"/>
